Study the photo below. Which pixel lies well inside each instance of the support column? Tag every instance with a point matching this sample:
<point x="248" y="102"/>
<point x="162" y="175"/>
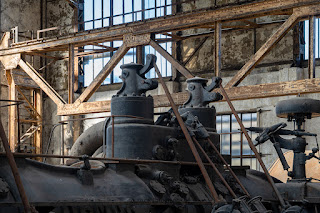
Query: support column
<point x="217" y="48"/>
<point x="38" y="134"/>
<point x="12" y="124"/>
<point x="312" y="49"/>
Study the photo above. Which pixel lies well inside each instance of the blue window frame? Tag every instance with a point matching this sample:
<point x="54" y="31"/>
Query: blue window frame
<point x="104" y="13"/>
<point x="232" y="140"/>
<point x="317" y="42"/>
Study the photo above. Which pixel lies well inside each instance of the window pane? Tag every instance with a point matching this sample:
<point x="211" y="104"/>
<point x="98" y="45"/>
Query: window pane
<point x="88" y="14"/>
<point x="98" y="13"/>
<point x="150" y="11"/>
<point x="103" y="13"/>
<point x="317" y="39"/>
<point x="106" y="12"/>
<point x="225" y="144"/>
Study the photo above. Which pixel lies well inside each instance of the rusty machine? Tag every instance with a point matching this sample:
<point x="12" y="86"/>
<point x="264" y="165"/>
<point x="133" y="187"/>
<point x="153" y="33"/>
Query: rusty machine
<point x="131" y="163"/>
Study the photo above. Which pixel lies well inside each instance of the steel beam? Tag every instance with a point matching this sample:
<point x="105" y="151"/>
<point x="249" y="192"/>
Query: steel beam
<point x="107" y="69"/>
<point x="262" y="52"/>
<point x="165" y="24"/>
<point x="235" y="93"/>
<point x="312" y="47"/>
<point x="36" y="77"/>
<point x="217" y="48"/>
<point x="271" y="42"/>
<point x="176" y="64"/>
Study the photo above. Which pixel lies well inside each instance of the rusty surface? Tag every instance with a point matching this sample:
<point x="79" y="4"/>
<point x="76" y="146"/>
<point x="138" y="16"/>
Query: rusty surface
<point x="253" y="148"/>
<point x="165" y="24"/>
<point x="14" y="169"/>
<point x="112" y="136"/>
<point x="228" y="167"/>
<point x="107" y="160"/>
<point x="215" y="168"/>
<point x="188" y="137"/>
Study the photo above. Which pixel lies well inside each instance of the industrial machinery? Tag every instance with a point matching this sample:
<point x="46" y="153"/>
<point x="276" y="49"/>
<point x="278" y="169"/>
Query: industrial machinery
<point x="298" y="190"/>
<point x="129" y="163"/>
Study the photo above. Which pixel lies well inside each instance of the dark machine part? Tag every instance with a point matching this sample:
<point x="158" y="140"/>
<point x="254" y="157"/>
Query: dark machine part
<point x="299" y="191"/>
<point x="200" y="97"/>
<point x="141" y="186"/>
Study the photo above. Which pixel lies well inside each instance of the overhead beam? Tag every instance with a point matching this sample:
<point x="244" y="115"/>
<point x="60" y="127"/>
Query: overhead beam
<point x="271" y="42"/>
<point x="165" y="24"/>
<point x="103" y="74"/>
<point x="176" y="64"/>
<point x="235" y="93"/>
<point x="262" y="52"/>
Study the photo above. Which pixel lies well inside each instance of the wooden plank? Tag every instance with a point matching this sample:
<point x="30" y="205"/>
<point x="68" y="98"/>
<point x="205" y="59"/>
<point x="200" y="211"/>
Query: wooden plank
<point x="71" y="74"/>
<point x="261" y="53"/>
<point x="107" y="69"/>
<point x="12" y="110"/>
<point x="217" y="48"/>
<point x="28" y="102"/>
<point x="176" y="64"/>
<point x="165" y="24"/>
<point x="41" y="82"/>
<point x="235" y="93"/>
<point x="312" y="47"/>
<point x="38" y="134"/>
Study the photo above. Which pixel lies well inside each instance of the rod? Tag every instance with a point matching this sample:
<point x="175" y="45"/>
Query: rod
<point x="228" y="167"/>
<point x="253" y="148"/>
<point x="188" y="137"/>
<point x="214" y="168"/>
<point x="112" y="137"/>
<point x="14" y="169"/>
<point x="112" y="160"/>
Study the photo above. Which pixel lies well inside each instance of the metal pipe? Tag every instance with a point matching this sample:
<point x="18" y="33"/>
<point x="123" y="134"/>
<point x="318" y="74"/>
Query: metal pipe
<point x="112" y="137"/>
<point x="215" y="168"/>
<point x="188" y="137"/>
<point x="253" y="148"/>
<point x="228" y="167"/>
<point x="108" y="116"/>
<point x="112" y="160"/>
<point x="14" y="169"/>
<point x="50" y="138"/>
<point x="62" y="142"/>
<point x="18" y="123"/>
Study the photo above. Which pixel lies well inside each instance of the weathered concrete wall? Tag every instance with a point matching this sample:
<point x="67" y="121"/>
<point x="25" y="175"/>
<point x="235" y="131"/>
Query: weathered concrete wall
<point x="58" y="14"/>
<point x="26" y="15"/>
<point x="266" y="107"/>
<point x="237" y="46"/>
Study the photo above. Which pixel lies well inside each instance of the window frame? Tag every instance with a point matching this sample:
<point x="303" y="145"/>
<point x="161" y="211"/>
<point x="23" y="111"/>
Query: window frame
<point x="160" y="10"/>
<point x="231" y="143"/>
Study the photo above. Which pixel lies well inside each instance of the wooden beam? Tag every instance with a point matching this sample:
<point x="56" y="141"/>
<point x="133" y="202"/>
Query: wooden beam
<point x="312" y="47"/>
<point x="28" y="102"/>
<point x="139" y="54"/>
<point x="165" y="24"/>
<point x="217" y="48"/>
<point x="184" y="71"/>
<point x="12" y="110"/>
<point x="107" y="69"/>
<point x="37" y="99"/>
<point x="261" y="53"/>
<point x="71" y="80"/>
<point x="236" y="93"/>
<point x="36" y="77"/>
